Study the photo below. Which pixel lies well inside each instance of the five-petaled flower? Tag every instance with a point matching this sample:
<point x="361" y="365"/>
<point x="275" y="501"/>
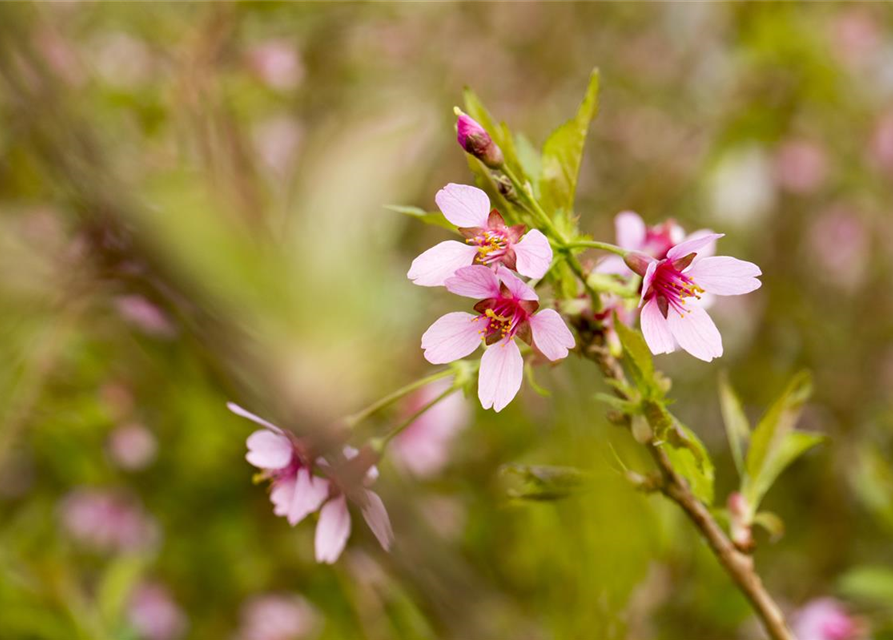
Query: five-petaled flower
<point x="296" y="491"/>
<point x="489" y="241"/>
<point x="506" y="310"/>
<point x="633" y="234"/>
<point x="672" y="288"/>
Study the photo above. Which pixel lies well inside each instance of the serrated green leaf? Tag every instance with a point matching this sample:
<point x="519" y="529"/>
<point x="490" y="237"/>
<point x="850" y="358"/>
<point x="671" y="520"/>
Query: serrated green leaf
<point x="428" y="217"/>
<point x="869" y="584"/>
<point x="785" y="452"/>
<point x="638" y="356"/>
<point x="563" y="153"/>
<point x="544" y="482"/>
<point x="778" y="421"/>
<point x="736" y="423"/>
<point x="689" y="458"/>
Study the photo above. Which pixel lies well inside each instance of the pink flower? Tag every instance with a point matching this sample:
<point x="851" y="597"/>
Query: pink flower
<point x="825" y="619"/>
<point x="672" y="288"/>
<point x="108" y="521"/>
<point x="506" y="310"/>
<point x="146" y="316"/>
<point x="277" y="63"/>
<point x="296" y="492"/>
<point x="488" y="241"/>
<point x="154" y="615"/>
<point x="423" y="447"/>
<point x="633" y="234"/>
<point x="278" y="617"/>
<point x="475" y="140"/>
<point x="132" y="446"/>
<point x="801" y="166"/>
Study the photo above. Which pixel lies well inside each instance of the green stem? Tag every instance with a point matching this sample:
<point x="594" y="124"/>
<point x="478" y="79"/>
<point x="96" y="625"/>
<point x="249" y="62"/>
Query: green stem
<point x="594" y="244"/>
<point x="391" y="398"/>
<point x="383" y="442"/>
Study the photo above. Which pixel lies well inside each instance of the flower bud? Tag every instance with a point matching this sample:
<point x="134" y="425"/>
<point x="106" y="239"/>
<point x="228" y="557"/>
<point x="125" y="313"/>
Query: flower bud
<point x="740" y="522"/>
<point x="637" y="261"/>
<point x="475" y="140"/>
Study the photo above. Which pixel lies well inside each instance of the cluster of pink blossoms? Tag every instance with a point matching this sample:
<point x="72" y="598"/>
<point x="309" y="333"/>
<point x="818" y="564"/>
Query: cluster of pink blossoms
<point x="296" y="491"/>
<point x="507" y="306"/>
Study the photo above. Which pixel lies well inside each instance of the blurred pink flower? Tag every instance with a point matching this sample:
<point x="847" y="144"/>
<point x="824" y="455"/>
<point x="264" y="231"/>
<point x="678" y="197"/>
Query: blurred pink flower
<point x="132" y="446"/>
<point x="488" y="241"/>
<point x="633" y="234"/>
<point x="882" y="142"/>
<point x="671" y="292"/>
<point x="856" y="34"/>
<point x="840" y="243"/>
<point x="145" y="315"/>
<point x="801" y="166"/>
<point x="475" y="140"/>
<point x="825" y="619"/>
<point x="277" y="63"/>
<point x="277" y="617"/>
<point x="297" y="492"/>
<point x="423" y="447"/>
<point x="107" y="521"/>
<point x="505" y="311"/>
<point x="154" y="615"/>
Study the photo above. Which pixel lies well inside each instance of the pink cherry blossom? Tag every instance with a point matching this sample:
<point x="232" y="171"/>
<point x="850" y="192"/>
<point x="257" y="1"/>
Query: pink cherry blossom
<point x="633" y="234"/>
<point x="489" y="241"/>
<point x="132" y="446"/>
<point x="671" y="291"/>
<point x="423" y="448"/>
<point x="506" y="310"/>
<point x="801" y="166"/>
<point x="296" y="491"/>
<point x="108" y="520"/>
<point x="825" y="619"/>
<point x="278" y="617"/>
<point x="154" y="615"/>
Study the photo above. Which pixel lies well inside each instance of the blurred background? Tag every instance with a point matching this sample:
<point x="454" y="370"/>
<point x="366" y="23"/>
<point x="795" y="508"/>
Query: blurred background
<point x="192" y="211"/>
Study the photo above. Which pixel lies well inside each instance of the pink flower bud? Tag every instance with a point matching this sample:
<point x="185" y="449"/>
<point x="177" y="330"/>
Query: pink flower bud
<point x="475" y="140"/>
<point x="740" y="521"/>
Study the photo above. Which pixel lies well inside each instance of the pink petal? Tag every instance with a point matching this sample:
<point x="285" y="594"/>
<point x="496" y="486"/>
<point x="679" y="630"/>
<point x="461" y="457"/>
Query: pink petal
<point x="550" y="335"/>
<point x="517" y="287"/>
<point x="332" y="530"/>
<point x="708" y="249"/>
<point x="533" y="254"/>
<point x="502" y="369"/>
<point x="630" y="230"/>
<point x="647" y="278"/>
<point x="239" y="411"/>
<point x="476" y="281"/>
<point x="282" y="494"/>
<point x="451" y="337"/>
<point x="693" y="245"/>
<point x="655" y="329"/>
<point x="268" y="450"/>
<point x="725" y="276"/>
<point x="696" y="333"/>
<point x="309" y="493"/>
<point x="434" y="266"/>
<point x="376" y="517"/>
<point x="613" y="264"/>
<point x="463" y="205"/>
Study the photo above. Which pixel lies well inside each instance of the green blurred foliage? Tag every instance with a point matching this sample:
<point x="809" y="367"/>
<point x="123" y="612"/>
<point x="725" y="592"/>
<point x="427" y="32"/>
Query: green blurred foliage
<point x="229" y="166"/>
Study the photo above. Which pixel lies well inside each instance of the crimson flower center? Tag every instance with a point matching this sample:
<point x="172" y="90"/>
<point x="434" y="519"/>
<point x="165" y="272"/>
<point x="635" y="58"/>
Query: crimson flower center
<point x="492" y="245"/>
<point x="673" y="286"/>
<point x="501" y="320"/>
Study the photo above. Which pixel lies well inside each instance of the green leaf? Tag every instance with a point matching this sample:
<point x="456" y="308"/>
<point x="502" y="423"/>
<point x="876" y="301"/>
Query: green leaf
<point x="774" y="443"/>
<point x="638" y="357"/>
<point x="791" y="447"/>
<point x="544" y="482"/>
<point x="563" y="153"/>
<point x="116" y="585"/>
<point x="530" y="160"/>
<point x="624" y="406"/>
<point x="773" y="524"/>
<point x="608" y="283"/>
<point x="428" y="217"/>
<point x="689" y="458"/>
<point x="873" y="484"/>
<point x="870" y="584"/>
<point x="736" y="423"/>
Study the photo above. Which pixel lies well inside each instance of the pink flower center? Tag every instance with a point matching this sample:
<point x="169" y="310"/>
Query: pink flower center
<point x="658" y="240"/>
<point x="502" y="319"/>
<point x="672" y="287"/>
<point x="492" y="245"/>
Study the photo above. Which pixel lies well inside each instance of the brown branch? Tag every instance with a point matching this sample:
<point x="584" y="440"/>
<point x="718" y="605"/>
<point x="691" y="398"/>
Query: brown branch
<point x="738" y="565"/>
